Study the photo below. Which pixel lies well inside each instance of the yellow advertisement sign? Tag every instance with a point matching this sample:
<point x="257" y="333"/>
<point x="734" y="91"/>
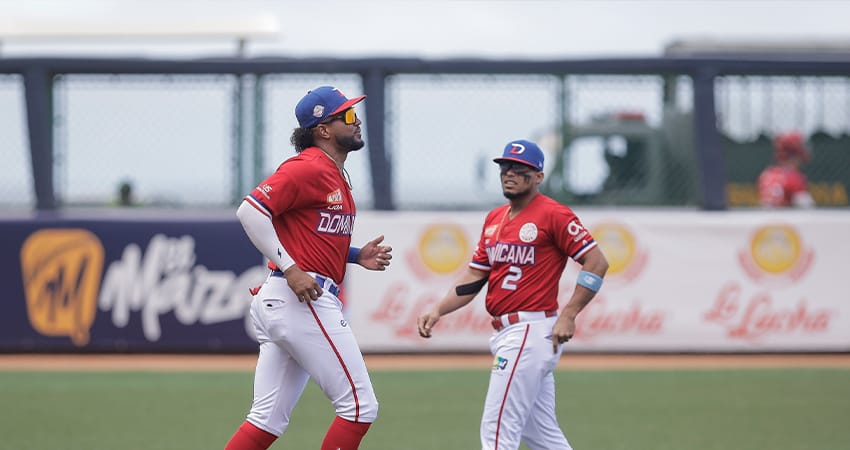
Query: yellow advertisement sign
<point x="61" y="272"/>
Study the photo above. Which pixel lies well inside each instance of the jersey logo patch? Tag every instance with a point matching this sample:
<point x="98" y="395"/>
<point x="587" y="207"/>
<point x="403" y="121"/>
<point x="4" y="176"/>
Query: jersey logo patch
<point x="528" y="232"/>
<point x="335" y="197"/>
<point x="265" y="190"/>
<point x="500" y="363"/>
<point x="489" y="231"/>
<point x="335" y="200"/>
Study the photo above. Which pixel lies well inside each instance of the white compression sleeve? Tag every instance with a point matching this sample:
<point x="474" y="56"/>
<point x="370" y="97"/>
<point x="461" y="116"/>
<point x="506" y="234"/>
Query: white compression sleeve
<point x="260" y="230"/>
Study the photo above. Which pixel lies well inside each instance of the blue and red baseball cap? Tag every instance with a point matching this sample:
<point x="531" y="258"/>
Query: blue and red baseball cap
<point x="321" y="103"/>
<point x="523" y="151"/>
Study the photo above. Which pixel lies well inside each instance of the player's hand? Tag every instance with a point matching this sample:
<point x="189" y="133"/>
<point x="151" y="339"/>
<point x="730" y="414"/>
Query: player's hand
<point x="374" y="256"/>
<point x="426" y="323"/>
<point x="562" y="331"/>
<point x="302" y="284"/>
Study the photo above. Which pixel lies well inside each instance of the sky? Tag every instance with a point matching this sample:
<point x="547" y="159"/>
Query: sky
<point x="527" y="29"/>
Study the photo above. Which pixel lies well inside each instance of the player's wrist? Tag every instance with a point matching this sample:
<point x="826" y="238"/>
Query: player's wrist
<point x="353" y="255"/>
<point x="290" y="269"/>
<point x="568" y="314"/>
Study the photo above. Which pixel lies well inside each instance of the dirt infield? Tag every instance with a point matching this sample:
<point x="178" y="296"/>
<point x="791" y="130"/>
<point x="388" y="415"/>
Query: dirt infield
<point x="147" y="362"/>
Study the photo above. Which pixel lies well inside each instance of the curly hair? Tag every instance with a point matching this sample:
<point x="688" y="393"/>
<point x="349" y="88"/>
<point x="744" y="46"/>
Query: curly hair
<point x="301" y="139"/>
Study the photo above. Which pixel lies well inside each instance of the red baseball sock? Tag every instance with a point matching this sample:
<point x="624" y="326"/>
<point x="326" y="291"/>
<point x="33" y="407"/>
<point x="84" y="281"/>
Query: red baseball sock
<point x="249" y="437"/>
<point x="344" y="435"/>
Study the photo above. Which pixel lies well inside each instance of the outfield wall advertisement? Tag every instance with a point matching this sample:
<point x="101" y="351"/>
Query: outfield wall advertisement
<point x="678" y="282"/>
<point x="749" y="281"/>
<point x="141" y="284"/>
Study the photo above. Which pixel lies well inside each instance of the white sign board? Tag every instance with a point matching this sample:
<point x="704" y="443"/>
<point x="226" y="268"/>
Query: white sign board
<point x="678" y="282"/>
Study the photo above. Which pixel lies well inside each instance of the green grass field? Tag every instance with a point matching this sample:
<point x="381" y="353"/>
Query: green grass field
<point x="753" y="409"/>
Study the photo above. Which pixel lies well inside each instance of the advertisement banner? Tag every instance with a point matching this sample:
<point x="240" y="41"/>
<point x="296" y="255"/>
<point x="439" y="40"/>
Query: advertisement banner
<point x="677" y="282"/>
<point x="126" y="285"/>
<point x="743" y="281"/>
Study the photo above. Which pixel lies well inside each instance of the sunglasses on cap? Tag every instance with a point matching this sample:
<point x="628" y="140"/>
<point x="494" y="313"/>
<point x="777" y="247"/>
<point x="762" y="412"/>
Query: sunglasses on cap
<point x="348" y="117"/>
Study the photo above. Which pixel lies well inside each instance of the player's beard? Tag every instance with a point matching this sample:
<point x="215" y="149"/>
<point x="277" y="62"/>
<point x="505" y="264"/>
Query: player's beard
<point x="349" y="143"/>
<point x="516" y="194"/>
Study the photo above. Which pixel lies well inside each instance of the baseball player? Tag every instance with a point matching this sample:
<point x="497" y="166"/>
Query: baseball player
<point x="521" y="255"/>
<point x="301" y="219"/>
<point x="783" y="184"/>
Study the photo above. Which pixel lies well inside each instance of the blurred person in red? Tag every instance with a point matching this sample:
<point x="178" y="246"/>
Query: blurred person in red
<point x="782" y="184"/>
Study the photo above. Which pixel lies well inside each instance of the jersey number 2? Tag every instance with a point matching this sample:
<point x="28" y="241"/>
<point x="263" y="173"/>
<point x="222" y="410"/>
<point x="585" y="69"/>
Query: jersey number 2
<point x="511" y="279"/>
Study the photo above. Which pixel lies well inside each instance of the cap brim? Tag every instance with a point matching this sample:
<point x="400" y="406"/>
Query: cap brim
<point x="525" y="163"/>
<point x="348" y="104"/>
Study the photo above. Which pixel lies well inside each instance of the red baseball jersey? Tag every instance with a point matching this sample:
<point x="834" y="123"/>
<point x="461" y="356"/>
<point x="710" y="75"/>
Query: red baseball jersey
<point x="526" y="255"/>
<point x="778" y="184"/>
<point x="312" y="210"/>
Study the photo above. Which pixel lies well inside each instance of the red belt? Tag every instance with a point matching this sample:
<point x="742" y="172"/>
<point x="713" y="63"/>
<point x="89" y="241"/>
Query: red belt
<point x="504" y="320"/>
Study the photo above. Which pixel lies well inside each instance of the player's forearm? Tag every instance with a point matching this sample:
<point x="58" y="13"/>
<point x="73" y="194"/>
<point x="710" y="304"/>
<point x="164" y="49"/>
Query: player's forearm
<point x="588" y="283"/>
<point x="581" y="297"/>
<point x="463" y="292"/>
<point x="261" y="232"/>
<point x="452" y="302"/>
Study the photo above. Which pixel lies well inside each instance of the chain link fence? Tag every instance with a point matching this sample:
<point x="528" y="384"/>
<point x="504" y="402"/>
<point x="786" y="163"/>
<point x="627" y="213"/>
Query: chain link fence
<point x="627" y="141"/>
<point x="175" y="140"/>
<point x="203" y="141"/>
<point x="168" y="137"/>
<point x="445" y="130"/>
<point x="15" y="168"/>
<point x="754" y="109"/>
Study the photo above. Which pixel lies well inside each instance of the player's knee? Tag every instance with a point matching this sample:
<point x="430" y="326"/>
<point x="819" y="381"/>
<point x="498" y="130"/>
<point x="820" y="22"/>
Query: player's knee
<point x="264" y="422"/>
<point x="369" y="411"/>
<point x="365" y="410"/>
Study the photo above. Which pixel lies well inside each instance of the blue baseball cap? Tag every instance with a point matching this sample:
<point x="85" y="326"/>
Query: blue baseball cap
<point x="321" y="103"/>
<point x="522" y="151"/>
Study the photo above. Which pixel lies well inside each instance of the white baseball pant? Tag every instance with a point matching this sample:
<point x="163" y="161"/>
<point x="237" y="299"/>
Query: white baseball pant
<point x="299" y="341"/>
<point x="520" y="403"/>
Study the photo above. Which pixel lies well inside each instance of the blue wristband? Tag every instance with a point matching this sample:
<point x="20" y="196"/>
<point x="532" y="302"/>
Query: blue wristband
<point x="353" y="253"/>
<point x="589" y="280"/>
